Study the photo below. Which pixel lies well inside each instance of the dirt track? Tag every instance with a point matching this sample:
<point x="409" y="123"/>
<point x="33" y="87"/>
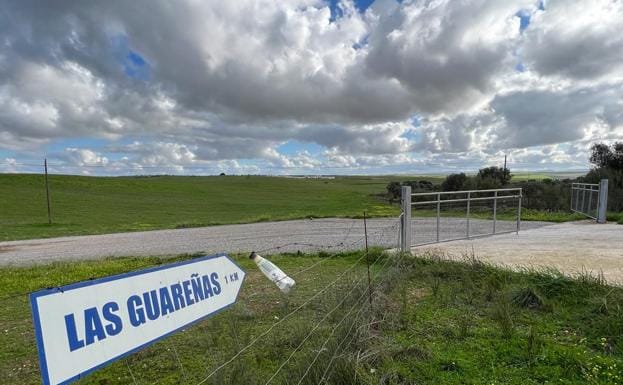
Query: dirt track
<point x="570" y="247"/>
<point x="329" y="234"/>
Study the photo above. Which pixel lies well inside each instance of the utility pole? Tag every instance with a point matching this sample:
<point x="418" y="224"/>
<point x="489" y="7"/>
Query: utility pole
<point x="505" y="172"/>
<point x="47" y="190"/>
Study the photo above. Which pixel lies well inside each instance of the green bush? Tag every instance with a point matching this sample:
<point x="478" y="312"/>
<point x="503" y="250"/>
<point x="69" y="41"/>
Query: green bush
<point x="615" y="185"/>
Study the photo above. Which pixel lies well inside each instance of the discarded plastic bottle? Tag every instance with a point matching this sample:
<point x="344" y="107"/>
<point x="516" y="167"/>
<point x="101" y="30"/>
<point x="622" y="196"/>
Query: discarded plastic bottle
<point x="272" y="272"/>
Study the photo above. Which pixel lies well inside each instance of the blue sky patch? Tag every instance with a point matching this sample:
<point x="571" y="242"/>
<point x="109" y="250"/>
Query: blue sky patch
<point x="412" y="135"/>
<point x="524" y="19"/>
<point x="293" y="147"/>
<point x="134" y="65"/>
<point x="362" y="43"/>
<point x="61" y="145"/>
<point x="362" y="5"/>
<point x="337" y="12"/>
<point x="415" y="121"/>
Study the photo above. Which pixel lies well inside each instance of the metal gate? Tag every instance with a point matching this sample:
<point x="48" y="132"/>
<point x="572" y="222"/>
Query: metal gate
<point x="590" y="199"/>
<point x="429" y="218"/>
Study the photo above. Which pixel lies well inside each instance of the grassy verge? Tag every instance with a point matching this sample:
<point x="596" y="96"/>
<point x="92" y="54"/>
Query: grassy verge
<point x="511" y="215"/>
<point x="431" y="322"/>
<point x="550" y="216"/>
<point x="615" y="217"/>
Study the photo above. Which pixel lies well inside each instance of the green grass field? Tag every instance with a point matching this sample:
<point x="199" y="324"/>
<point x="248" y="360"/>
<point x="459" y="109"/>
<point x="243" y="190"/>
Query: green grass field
<point x="98" y="205"/>
<point x="88" y="205"/>
<point x="431" y="322"/>
<point x="524" y="176"/>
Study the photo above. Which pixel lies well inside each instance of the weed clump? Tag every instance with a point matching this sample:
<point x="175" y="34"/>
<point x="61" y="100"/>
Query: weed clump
<point x="503" y="316"/>
<point x="528" y="298"/>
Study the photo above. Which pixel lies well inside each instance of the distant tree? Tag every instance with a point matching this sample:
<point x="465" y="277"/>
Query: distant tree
<point x="601" y="155"/>
<point x="454" y="182"/>
<point x="420" y="185"/>
<point x="222" y="174"/>
<point x="501" y="174"/>
<point x="393" y="191"/>
<point x="608" y="162"/>
<point x="487" y="182"/>
<point x="617" y="156"/>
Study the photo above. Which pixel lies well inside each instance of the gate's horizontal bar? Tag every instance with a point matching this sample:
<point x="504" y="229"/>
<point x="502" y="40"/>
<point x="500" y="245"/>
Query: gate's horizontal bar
<point x="464" y="192"/>
<point x="584" y="184"/>
<point x="585" y="189"/>
<point x="466" y="199"/>
<point x="583" y="213"/>
<point x="464" y="238"/>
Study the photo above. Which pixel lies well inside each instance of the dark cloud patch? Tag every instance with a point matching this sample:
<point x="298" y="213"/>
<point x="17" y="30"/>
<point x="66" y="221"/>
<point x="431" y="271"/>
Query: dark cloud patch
<point x="534" y="118"/>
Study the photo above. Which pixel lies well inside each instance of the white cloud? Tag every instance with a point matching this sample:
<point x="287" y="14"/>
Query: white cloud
<point x="84" y="157"/>
<point x="228" y="87"/>
<point x="444" y="56"/>
<point x="577" y="39"/>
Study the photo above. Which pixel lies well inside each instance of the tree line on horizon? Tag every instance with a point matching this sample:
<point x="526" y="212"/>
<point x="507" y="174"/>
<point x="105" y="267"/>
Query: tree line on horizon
<point x="546" y="194"/>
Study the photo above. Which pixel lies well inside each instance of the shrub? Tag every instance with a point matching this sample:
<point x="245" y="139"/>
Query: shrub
<point x="394" y="188"/>
<point x="500" y="174"/>
<point x="454" y="182"/>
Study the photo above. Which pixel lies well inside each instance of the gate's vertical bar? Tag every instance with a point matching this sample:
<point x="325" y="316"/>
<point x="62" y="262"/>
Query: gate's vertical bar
<point x="572" y="192"/>
<point x="468" y="204"/>
<point x="438" y="213"/>
<point x="590" y="199"/>
<point x="399" y="243"/>
<point x="583" y="199"/>
<point x="405" y="236"/>
<point x="603" y="201"/>
<point x="577" y="198"/>
<point x="519" y="211"/>
<point x="495" y="209"/>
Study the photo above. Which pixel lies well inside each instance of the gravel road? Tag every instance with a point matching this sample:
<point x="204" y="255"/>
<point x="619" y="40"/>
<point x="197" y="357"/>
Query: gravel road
<point x="304" y="235"/>
<point x="572" y="248"/>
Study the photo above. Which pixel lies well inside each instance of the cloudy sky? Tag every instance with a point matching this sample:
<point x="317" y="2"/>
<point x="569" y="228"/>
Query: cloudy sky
<point x="307" y="86"/>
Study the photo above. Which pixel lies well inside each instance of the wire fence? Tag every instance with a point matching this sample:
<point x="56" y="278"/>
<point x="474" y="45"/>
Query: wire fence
<point x="303" y="334"/>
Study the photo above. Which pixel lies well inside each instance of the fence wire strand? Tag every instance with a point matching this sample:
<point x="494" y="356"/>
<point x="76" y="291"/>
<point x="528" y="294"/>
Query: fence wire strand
<point x="281" y="320"/>
<point x="311" y="332"/>
<point x="326" y="374"/>
<point x="359" y="301"/>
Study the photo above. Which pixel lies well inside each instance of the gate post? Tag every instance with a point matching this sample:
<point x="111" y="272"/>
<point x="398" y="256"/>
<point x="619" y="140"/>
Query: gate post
<point x="602" y="206"/>
<point x="519" y="210"/>
<point x="405" y="222"/>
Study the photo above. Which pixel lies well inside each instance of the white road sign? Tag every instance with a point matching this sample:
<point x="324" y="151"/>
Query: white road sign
<point x="87" y="325"/>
